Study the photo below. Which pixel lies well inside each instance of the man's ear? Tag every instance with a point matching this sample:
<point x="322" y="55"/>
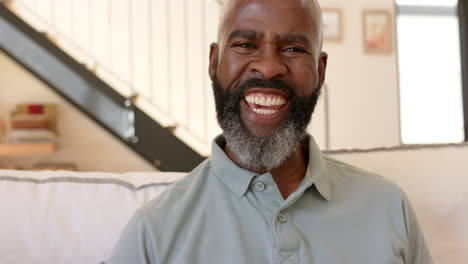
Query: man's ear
<point x="322" y="67"/>
<point x="214" y="57"/>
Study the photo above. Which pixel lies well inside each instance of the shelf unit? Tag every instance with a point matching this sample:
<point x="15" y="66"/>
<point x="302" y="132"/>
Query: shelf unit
<point x="21" y="149"/>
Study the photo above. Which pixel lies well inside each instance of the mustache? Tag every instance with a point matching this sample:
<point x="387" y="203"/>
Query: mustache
<point x="264" y="83"/>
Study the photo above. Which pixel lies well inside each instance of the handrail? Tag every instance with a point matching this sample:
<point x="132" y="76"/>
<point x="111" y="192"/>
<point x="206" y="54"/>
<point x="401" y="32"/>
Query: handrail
<point x="129" y="58"/>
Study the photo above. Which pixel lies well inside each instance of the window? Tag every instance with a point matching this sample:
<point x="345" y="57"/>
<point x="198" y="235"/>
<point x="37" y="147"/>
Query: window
<point x="431" y="94"/>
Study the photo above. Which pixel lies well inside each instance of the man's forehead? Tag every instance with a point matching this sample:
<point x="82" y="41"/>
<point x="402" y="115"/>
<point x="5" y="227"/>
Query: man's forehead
<point x="232" y="7"/>
<point x="228" y="3"/>
<point x="238" y="10"/>
<point x="281" y="37"/>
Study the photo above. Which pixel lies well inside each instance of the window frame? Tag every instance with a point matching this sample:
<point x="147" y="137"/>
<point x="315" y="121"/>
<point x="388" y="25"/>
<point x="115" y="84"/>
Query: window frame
<point x="463" y="20"/>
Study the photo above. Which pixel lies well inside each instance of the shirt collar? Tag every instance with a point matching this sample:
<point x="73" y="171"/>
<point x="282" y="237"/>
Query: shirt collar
<point x="233" y="176"/>
<point x="317" y="172"/>
<point x="239" y="179"/>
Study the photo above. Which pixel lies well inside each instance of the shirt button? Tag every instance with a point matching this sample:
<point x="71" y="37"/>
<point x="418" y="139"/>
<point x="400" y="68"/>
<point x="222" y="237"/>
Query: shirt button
<point x="282" y="218"/>
<point x="260" y="186"/>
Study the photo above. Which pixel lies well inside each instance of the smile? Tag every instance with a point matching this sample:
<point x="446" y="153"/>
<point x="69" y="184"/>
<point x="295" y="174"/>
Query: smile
<point x="265" y="104"/>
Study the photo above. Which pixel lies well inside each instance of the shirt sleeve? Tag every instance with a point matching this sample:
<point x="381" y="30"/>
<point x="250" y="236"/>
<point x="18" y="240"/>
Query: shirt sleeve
<point x="418" y="252"/>
<point x="135" y="244"/>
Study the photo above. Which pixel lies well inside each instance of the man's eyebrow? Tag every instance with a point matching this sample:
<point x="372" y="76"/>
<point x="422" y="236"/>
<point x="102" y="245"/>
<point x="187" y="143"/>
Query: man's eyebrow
<point x="294" y="38"/>
<point x="247" y="34"/>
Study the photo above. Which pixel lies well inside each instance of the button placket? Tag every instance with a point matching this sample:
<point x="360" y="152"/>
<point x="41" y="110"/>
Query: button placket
<point x="286" y="238"/>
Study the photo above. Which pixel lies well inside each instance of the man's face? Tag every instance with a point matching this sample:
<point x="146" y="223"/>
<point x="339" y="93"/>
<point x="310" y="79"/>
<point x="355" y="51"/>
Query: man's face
<point x="267" y="71"/>
<point x="268" y="39"/>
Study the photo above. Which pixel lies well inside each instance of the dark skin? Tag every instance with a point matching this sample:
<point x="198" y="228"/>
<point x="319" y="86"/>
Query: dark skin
<point x="270" y="39"/>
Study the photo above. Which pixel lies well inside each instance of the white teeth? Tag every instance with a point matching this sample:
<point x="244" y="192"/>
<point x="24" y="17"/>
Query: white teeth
<point x="264" y="111"/>
<point x="265" y="101"/>
<point x="274" y="101"/>
<point x="262" y="101"/>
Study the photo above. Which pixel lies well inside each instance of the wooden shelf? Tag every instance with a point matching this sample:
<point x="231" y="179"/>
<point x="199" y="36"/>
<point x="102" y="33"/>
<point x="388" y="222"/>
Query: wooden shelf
<point x="19" y="149"/>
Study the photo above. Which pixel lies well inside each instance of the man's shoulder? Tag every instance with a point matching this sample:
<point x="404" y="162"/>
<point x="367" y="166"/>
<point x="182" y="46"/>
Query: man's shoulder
<point x="183" y="193"/>
<point x="348" y="178"/>
<point x="161" y="221"/>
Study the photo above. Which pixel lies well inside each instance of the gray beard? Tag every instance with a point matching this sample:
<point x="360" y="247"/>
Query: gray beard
<point x="266" y="151"/>
<point x="262" y="152"/>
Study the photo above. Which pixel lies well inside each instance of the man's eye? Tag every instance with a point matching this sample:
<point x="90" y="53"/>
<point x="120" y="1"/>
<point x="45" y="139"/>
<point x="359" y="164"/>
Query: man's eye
<point x="244" y="45"/>
<point x="293" y="49"/>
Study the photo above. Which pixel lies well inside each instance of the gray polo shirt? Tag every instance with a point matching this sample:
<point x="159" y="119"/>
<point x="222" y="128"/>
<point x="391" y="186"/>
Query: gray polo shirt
<point x="223" y="214"/>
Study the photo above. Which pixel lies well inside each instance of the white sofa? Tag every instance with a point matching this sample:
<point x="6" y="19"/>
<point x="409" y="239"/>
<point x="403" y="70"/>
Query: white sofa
<point x="69" y="217"/>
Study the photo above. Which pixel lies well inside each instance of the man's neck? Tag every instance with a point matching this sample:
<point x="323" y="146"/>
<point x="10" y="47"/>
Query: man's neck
<point x="288" y="176"/>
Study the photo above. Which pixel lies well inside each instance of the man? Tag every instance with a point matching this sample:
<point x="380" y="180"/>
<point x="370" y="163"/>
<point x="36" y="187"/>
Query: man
<point x="267" y="194"/>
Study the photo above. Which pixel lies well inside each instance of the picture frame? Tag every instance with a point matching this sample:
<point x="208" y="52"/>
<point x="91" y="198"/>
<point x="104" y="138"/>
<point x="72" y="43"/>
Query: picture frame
<point x="332" y="24"/>
<point x="377" y="31"/>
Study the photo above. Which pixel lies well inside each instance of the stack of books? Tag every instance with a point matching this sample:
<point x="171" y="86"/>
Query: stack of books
<point x="33" y="123"/>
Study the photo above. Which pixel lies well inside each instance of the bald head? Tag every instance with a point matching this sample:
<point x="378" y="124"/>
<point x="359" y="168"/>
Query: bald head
<point x="312" y="9"/>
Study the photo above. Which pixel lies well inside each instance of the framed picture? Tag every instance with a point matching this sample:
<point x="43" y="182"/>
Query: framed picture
<point x="377" y="26"/>
<point x="332" y="25"/>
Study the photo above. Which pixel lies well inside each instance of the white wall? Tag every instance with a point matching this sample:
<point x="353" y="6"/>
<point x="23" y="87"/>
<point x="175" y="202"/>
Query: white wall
<point x="436" y="181"/>
<point x="363" y="89"/>
<point x="80" y="141"/>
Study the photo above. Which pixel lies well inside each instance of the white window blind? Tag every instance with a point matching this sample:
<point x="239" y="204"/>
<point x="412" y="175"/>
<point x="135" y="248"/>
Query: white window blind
<point x="431" y="104"/>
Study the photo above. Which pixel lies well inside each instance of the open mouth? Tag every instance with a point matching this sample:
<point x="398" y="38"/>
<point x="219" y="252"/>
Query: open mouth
<point x="266" y="104"/>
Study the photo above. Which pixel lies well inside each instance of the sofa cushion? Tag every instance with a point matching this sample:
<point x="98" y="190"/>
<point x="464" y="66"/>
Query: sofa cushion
<point x="69" y="217"/>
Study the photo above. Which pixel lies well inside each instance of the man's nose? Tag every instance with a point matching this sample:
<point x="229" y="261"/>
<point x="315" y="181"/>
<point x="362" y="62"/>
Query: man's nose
<point x="269" y="64"/>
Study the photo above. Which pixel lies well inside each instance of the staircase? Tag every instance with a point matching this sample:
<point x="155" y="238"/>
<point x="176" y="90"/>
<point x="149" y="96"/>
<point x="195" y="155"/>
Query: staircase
<point x="138" y="68"/>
